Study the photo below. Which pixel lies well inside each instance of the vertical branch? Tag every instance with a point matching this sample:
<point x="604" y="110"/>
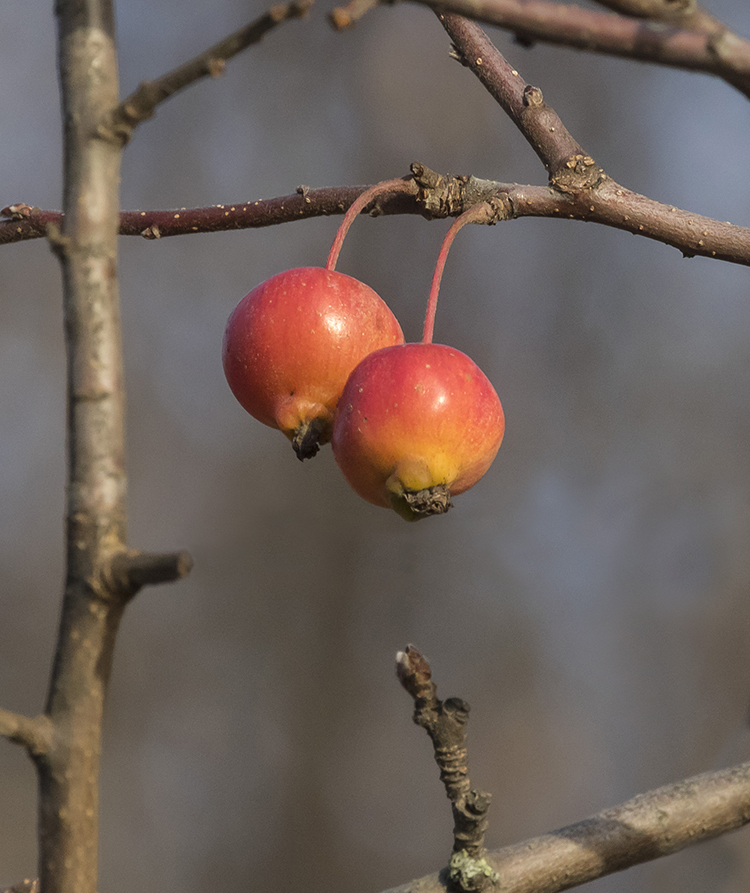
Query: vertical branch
<point x="95" y="515"/>
<point x="445" y="723"/>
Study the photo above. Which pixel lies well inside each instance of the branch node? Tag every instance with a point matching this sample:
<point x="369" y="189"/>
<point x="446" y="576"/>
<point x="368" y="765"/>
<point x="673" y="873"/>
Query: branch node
<point x="59" y="243"/>
<point x="343" y="17"/>
<point x="19" y="211"/>
<point x="35" y="734"/>
<point x="216" y="67"/>
<point x="129" y="571"/>
<point x="578" y="174"/>
<point x="439" y="195"/>
<point x="532" y="96"/>
<point x="469" y="874"/>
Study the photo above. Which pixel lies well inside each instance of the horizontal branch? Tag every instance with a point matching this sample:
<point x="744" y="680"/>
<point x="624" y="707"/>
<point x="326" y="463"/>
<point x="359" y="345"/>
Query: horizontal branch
<point x="34" y="734"/>
<point x="141" y="104"/>
<point x="438" y="196"/>
<point x="697" y="42"/>
<point x="26" y="886"/>
<point x="659" y="10"/>
<point x="650" y="825"/>
<point x="615" y="35"/>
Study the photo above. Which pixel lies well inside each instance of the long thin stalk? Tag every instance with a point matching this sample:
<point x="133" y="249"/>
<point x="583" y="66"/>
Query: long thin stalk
<point x="387" y="187"/>
<point x="479" y="213"/>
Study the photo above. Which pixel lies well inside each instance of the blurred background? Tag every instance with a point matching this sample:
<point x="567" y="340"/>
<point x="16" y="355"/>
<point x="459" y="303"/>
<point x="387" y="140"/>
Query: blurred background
<point x="589" y="597"/>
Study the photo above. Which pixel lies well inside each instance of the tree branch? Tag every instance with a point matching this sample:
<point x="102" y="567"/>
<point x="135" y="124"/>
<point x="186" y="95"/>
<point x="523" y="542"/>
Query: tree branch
<point x="33" y="734"/>
<point x="660" y="10"/>
<point x="436" y="195"/>
<point x="86" y="245"/>
<point x="523" y="103"/>
<point x="608" y="203"/>
<point x="647" y="827"/>
<point x="129" y="571"/>
<point x="445" y="723"/>
<point x="120" y="123"/>
<point x="694" y="42"/>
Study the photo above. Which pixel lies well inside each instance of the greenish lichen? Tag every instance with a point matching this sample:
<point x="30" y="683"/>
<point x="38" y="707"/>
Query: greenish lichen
<point x="468" y="873"/>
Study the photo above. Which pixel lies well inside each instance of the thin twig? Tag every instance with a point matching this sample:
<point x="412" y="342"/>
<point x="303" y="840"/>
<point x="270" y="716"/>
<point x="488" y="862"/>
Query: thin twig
<point x="142" y="103"/>
<point x="130" y="570"/>
<point x="610" y="205"/>
<point x="695" y="42"/>
<point x="523" y="103"/>
<point x="32" y="733"/>
<point x="445" y="723"/>
<point x="659" y="10"/>
<point x="647" y="827"/>
<point x="26" y="886"/>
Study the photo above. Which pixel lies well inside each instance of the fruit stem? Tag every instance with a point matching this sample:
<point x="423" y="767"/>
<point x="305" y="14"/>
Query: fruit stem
<point x="356" y="207"/>
<point x="480" y="213"/>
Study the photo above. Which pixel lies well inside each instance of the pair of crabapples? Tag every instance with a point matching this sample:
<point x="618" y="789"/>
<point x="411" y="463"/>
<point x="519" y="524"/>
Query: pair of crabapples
<point x="320" y="356"/>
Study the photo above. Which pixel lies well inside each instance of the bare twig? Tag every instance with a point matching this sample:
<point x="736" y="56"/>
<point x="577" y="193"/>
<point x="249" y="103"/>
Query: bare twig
<point x="522" y="102"/>
<point x="26" y="886"/>
<point x="692" y="41"/>
<point x="85" y="241"/>
<point x="659" y="10"/>
<point x="731" y="52"/>
<point x="576" y="176"/>
<point x="609" y="203"/>
<point x="129" y="571"/>
<point x="32" y="733"/>
<point x="647" y="827"/>
<point x="445" y="723"/>
<point x="438" y="196"/>
<point x="140" y="105"/>
<point x="343" y="17"/>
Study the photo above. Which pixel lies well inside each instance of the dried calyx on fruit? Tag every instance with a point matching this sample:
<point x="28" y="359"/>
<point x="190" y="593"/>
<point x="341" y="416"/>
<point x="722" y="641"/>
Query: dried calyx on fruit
<point x="418" y="423"/>
<point x="291" y="343"/>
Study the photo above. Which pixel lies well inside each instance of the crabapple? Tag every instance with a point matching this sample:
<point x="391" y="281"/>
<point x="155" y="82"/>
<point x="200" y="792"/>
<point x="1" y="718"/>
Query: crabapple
<point x="418" y="423"/>
<point x="290" y="344"/>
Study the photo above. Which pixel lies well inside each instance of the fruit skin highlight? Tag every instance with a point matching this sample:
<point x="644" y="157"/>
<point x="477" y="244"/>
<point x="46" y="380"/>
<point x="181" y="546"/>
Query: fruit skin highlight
<point x="291" y="343"/>
<point x="416" y="424"/>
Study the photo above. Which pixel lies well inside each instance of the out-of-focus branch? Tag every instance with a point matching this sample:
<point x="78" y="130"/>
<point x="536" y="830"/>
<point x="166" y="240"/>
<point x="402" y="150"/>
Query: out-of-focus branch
<point x="129" y="571"/>
<point x="101" y="575"/>
<point x="676" y="34"/>
<point x="86" y="245"/>
<point x="647" y="827"/>
<point x="26" y="886"/>
<point x="437" y="196"/>
<point x="683" y="11"/>
<point x="140" y="105"/>
<point x="32" y="733"/>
